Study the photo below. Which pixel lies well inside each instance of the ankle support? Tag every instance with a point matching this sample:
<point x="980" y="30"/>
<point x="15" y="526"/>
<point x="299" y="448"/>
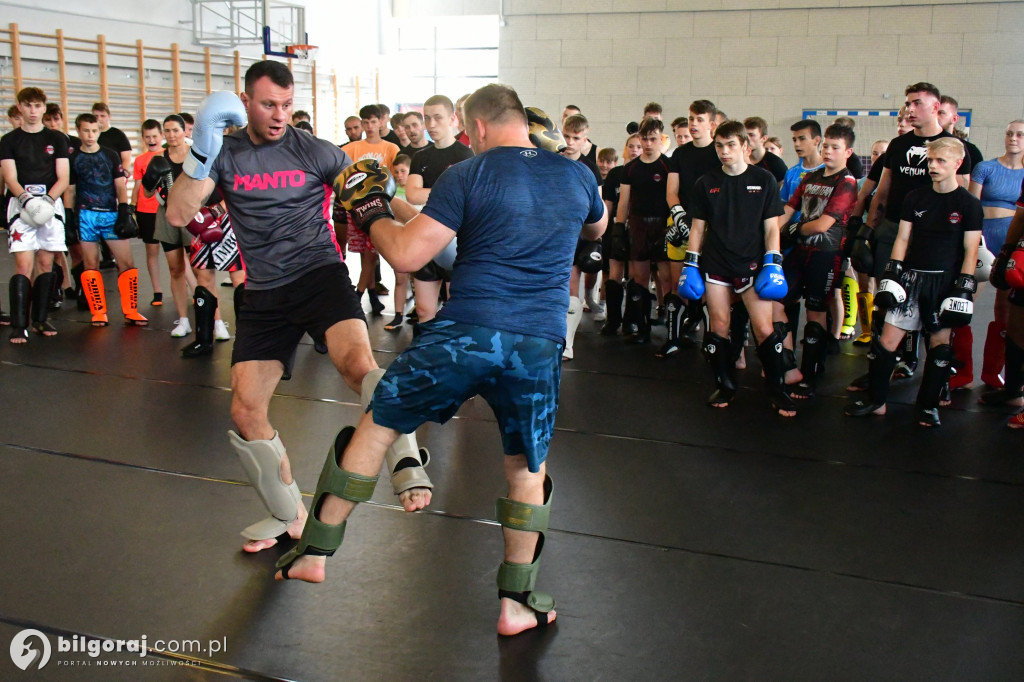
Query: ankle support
<point x="516" y="581"/>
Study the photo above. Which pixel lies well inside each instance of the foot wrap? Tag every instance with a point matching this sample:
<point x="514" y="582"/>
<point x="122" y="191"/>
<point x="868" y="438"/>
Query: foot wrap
<point x="261" y="460"/>
<point x="516" y="581"/>
<point x="319" y="538"/>
<point x="405" y="459"/>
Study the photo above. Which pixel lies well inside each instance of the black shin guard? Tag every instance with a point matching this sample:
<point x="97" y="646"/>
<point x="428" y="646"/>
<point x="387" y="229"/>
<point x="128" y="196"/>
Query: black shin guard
<point x="631" y="314"/>
<point x="613" y="305"/>
<point x="206" y="311"/>
<point x="717" y="353"/>
<point x="20" y="291"/>
<point x="739" y="326"/>
<point x="638" y="309"/>
<point x="56" y="288"/>
<point x="773" y="362"/>
<point x="812" y="364"/>
<point x="238" y="298"/>
<point x="909" y="353"/>
<point x="1014" y="365"/>
<point x="673" y="316"/>
<point x="788" y="354"/>
<point x="76" y="276"/>
<point x="936" y="374"/>
<point x="41" y="292"/>
<point x="793" y="316"/>
<point x="693" y="315"/>
<point x="877" y="321"/>
<point x="881" y="363"/>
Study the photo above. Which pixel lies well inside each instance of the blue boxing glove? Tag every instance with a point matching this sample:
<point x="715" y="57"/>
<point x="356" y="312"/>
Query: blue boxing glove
<point x="219" y="110"/>
<point x="771" y="282"/>
<point x="691" y="282"/>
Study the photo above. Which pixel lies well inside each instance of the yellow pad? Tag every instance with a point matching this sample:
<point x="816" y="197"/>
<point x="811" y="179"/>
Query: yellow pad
<point x="850" y="291"/>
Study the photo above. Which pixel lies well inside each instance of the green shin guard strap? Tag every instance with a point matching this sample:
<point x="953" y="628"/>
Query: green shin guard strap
<point x="523" y="516"/>
<point x="516" y="581"/>
<point x="323" y="539"/>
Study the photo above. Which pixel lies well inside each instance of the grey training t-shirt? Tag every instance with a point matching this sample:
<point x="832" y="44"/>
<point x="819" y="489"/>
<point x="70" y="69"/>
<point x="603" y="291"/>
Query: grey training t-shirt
<point x="279" y="197"/>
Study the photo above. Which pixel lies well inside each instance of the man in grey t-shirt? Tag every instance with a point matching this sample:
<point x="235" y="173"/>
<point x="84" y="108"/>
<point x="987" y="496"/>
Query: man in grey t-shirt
<point x="277" y="185"/>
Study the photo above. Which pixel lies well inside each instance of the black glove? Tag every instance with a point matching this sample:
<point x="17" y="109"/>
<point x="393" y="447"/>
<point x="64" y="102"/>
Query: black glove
<point x="125" y="227"/>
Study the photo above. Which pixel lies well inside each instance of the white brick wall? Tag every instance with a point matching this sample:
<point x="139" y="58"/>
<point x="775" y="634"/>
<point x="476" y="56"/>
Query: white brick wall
<point x="771" y="58"/>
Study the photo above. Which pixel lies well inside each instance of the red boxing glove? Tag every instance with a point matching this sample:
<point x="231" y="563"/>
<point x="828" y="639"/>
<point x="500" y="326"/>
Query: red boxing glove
<point x="207" y="225"/>
<point x="1015" y="267"/>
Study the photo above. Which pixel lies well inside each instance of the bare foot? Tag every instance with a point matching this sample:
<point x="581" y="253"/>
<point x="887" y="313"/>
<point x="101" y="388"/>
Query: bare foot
<point x="18" y="340"/>
<point x="787" y="413"/>
<point x="307" y="568"/>
<point x="719" y="405"/>
<point x="415" y="499"/>
<point x="516" y="617"/>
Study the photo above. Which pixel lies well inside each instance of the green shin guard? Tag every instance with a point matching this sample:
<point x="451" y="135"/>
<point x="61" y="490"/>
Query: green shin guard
<point x="319" y="538"/>
<point x="516" y="581"/>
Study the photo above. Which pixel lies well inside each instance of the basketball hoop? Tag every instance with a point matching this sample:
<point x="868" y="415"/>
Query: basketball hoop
<point x="303" y="52"/>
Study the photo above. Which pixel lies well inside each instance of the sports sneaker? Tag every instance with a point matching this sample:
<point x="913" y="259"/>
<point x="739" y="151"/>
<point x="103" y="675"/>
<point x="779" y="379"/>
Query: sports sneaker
<point x="182" y="328"/>
<point x="220" y="331"/>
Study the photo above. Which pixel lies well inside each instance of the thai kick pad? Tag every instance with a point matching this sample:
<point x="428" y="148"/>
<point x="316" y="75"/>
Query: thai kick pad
<point x="261" y="460"/>
<point x="405" y="459"/>
<point x="516" y="581"/>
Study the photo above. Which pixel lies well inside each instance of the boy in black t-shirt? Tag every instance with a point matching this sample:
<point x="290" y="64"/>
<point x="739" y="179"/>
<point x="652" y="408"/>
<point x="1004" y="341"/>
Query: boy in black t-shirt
<point x="735" y="210"/>
<point x="643" y="209"/>
<point x="34" y="163"/>
<point x="824" y="199"/>
<point x="928" y="282"/>
<point x="689" y="162"/>
<point x="757" y="133"/>
<point x="114" y="138"/>
<point x="616" y="239"/>
<point x="906" y="169"/>
<point x="427" y="166"/>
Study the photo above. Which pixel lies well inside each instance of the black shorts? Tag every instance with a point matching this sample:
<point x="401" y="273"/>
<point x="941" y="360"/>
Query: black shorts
<point x="811" y="274"/>
<point x="647" y="238"/>
<point x="882" y="239"/>
<point x="925" y="292"/>
<point x="615" y="242"/>
<point x="147" y="224"/>
<point x="272" y="321"/>
<point x="431" y="272"/>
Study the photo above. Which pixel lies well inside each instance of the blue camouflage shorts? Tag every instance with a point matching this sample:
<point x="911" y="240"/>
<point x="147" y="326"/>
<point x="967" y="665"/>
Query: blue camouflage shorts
<point x="450" y="362"/>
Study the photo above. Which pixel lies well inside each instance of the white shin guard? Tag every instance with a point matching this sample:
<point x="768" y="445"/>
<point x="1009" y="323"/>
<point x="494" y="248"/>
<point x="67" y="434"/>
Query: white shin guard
<point x="405" y="459"/>
<point x="572" y="321"/>
<point x="261" y="460"/>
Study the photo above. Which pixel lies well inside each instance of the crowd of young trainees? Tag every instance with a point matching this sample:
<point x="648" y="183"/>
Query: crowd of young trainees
<point x="714" y="240"/>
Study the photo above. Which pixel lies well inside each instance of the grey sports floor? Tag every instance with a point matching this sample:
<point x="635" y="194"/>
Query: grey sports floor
<point x="686" y="542"/>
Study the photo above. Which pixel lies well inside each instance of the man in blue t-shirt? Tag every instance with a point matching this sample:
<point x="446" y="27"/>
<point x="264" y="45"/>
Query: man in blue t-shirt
<point x="518" y="212"/>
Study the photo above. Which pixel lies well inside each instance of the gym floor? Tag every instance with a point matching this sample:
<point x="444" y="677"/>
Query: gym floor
<point x="685" y="542"/>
